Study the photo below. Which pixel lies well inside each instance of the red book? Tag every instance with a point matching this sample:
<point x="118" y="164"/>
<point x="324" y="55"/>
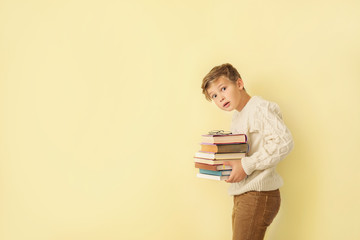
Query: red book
<point x="212" y="167"/>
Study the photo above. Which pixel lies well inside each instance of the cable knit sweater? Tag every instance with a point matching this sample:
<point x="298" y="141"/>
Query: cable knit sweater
<point x="270" y="141"/>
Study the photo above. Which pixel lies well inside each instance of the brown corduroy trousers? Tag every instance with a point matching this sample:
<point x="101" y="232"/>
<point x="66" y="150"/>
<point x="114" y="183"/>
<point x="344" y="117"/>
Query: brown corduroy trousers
<point x="253" y="212"/>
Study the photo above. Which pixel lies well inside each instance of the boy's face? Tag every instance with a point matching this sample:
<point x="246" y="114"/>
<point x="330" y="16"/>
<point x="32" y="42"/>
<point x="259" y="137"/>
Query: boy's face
<point x="226" y="94"/>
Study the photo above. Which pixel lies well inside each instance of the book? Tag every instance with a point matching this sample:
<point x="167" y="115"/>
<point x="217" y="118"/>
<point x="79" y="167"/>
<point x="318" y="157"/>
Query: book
<point x="216" y="167"/>
<point x="228" y="138"/>
<point x="212" y="177"/>
<point x="224" y="148"/>
<point x="216" y="173"/>
<point x="212" y="161"/>
<point x="219" y="156"/>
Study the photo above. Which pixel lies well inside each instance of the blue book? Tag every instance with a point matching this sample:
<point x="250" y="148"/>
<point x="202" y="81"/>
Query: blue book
<point x="216" y="173"/>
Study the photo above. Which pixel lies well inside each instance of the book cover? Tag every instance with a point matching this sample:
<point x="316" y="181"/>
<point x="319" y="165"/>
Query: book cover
<point x="216" y="173"/>
<point x="219" y="156"/>
<point x="212" y="177"/>
<point x="224" y="148"/>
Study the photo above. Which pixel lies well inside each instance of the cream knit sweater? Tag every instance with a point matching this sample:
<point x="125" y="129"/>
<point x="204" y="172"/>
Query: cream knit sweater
<point x="270" y="141"/>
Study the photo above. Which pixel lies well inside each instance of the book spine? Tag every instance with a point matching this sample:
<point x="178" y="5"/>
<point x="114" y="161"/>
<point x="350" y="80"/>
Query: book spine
<point x="212" y="167"/>
<point x="216" y="173"/>
<point x="212" y="177"/>
<point x="220" y="156"/>
<point x="213" y="162"/>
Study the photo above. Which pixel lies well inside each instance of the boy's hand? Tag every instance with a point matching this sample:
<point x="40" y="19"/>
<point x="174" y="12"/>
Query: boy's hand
<point x="237" y="173"/>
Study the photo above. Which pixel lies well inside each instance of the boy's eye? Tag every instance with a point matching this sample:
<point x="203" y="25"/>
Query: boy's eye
<point x="214" y="96"/>
<point x="223" y="89"/>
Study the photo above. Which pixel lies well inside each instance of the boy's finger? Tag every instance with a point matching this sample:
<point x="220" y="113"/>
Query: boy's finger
<point x="229" y="180"/>
<point x="227" y="163"/>
<point x="231" y="177"/>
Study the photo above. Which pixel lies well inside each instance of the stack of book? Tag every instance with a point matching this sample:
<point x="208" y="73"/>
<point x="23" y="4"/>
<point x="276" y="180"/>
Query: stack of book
<point x="217" y="149"/>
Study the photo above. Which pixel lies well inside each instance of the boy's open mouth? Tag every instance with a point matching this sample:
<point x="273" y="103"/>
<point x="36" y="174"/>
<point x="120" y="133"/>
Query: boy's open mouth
<point x="226" y="104"/>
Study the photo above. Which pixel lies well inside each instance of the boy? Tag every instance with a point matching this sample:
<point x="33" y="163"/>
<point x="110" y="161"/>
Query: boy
<point x="254" y="181"/>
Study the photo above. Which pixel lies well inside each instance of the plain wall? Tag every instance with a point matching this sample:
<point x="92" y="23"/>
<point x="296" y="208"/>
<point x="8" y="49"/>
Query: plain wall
<point x="101" y="114"/>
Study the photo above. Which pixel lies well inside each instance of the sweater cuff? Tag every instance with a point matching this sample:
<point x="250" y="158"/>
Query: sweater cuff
<point x="248" y="165"/>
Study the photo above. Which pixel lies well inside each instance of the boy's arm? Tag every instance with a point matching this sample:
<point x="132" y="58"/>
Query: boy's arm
<point x="277" y="140"/>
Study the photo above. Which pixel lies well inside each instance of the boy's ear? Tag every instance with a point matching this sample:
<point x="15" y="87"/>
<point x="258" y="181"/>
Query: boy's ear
<point x="240" y="83"/>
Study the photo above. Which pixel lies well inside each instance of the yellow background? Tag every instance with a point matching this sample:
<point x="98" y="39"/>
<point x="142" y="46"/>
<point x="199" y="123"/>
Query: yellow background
<point x="102" y="111"/>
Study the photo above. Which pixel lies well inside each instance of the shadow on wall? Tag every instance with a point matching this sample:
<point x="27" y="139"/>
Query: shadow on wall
<point x="301" y="182"/>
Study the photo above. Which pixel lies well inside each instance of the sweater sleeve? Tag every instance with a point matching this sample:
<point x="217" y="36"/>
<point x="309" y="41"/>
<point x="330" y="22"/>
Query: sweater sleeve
<point x="276" y="140"/>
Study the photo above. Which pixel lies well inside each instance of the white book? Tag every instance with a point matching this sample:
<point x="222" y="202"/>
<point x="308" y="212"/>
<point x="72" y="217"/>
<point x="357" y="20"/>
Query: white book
<point x="213" y="162"/>
<point x="219" y="156"/>
<point x="212" y="177"/>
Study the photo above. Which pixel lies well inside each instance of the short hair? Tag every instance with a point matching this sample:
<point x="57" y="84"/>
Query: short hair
<point x="226" y="70"/>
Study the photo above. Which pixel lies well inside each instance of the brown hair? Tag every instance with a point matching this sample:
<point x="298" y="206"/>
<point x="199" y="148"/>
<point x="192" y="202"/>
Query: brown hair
<point x="226" y="70"/>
